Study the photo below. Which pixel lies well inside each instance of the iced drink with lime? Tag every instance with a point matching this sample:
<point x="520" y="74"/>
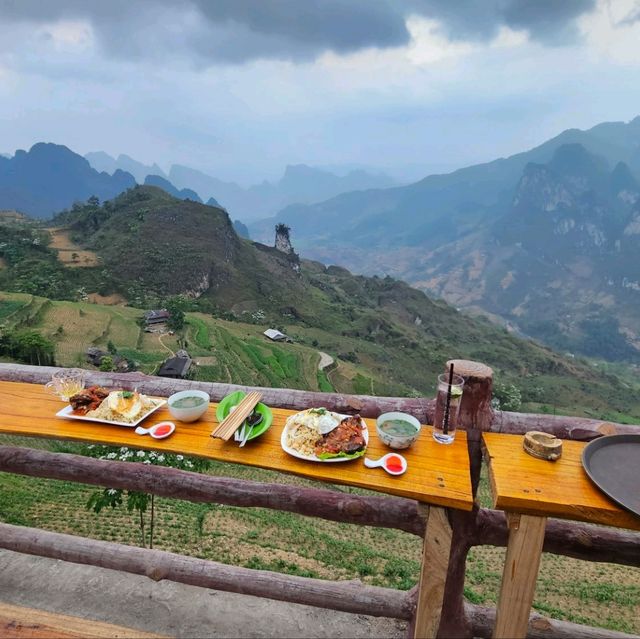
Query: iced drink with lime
<point x="445" y="421"/>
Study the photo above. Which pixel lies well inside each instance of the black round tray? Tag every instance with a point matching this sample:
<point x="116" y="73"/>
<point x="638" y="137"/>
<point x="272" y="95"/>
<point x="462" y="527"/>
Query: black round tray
<point x="613" y="464"/>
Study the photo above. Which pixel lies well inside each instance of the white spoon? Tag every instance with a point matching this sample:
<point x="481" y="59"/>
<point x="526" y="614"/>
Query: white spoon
<point x="383" y="461"/>
<point x="152" y="430"/>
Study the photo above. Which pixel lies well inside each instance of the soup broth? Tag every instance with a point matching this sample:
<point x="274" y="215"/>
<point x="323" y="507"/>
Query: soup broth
<point x="398" y="428"/>
<point x="191" y="401"/>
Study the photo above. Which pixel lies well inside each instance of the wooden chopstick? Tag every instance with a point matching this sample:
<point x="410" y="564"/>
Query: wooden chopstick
<point x="234" y="420"/>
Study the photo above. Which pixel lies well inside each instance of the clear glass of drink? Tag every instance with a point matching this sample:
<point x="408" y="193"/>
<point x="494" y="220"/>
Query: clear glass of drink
<point x="66" y="382"/>
<point x="445" y="421"/>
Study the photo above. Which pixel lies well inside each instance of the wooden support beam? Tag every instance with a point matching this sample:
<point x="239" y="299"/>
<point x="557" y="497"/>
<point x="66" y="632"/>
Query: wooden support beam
<point x="433" y="573"/>
<point x="348" y="596"/>
<point x="386" y="512"/>
<point x="526" y="536"/>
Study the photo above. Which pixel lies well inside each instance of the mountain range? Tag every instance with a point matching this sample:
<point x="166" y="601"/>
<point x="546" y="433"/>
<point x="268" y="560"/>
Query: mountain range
<point x="542" y="240"/>
<point x="299" y="184"/>
<point x="50" y="177"/>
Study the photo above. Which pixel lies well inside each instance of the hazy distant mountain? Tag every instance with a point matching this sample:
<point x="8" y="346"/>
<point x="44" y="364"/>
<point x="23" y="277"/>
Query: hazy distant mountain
<point x="50" y="177"/>
<point x="182" y="194"/>
<point x="206" y="185"/>
<point x="300" y="183"/>
<point x="102" y="161"/>
<point x="545" y="235"/>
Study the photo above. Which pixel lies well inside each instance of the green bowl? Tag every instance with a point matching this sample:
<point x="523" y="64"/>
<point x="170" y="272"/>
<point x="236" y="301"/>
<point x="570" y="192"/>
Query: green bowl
<point x="233" y="400"/>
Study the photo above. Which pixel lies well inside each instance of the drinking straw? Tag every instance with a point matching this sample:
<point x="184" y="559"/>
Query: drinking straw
<point x="445" y="426"/>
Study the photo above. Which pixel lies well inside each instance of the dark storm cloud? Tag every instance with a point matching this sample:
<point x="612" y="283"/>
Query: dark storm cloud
<point x="547" y="21"/>
<point x="240" y="30"/>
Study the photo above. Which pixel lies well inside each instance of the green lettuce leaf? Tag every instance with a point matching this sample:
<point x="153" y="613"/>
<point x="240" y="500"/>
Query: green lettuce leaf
<point x="358" y="453"/>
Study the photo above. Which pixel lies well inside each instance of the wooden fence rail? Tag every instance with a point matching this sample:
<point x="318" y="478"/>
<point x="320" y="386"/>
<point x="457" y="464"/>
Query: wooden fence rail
<point x="581" y="541"/>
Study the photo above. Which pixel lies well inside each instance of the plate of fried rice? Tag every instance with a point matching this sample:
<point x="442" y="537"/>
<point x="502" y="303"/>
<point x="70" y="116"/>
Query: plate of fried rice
<point x="320" y="435"/>
<point x="120" y="408"/>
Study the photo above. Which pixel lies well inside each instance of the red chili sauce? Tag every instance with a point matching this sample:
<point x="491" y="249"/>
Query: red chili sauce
<point x="394" y="464"/>
<point x="165" y="429"/>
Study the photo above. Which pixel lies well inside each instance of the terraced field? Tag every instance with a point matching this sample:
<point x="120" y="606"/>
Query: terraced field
<point x="223" y="351"/>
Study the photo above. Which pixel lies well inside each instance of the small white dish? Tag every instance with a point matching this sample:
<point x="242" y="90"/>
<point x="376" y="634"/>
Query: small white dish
<point x="153" y="430"/>
<point x="192" y="413"/>
<point x="383" y="461"/>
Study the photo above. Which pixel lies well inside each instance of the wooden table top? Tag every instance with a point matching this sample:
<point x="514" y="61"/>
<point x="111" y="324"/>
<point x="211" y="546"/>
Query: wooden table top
<point x="437" y="474"/>
<point x="524" y="484"/>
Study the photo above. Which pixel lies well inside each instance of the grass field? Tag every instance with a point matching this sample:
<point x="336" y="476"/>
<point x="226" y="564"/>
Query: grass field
<point x="590" y="593"/>
<point x="69" y="253"/>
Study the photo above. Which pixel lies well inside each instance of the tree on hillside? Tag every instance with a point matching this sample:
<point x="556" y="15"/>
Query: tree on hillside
<point x="175" y="306"/>
<point x="27" y="346"/>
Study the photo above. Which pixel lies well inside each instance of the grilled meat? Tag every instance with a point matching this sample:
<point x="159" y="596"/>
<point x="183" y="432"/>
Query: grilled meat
<point x="347" y="437"/>
<point x="88" y="399"/>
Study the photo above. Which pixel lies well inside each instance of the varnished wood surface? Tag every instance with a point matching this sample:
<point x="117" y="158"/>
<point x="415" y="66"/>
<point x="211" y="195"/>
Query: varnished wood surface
<point x="18" y="622"/>
<point x="437" y="474"/>
<point x="524" y="484"/>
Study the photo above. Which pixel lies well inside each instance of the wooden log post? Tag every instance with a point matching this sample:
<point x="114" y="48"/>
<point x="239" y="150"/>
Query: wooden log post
<point x="475" y="417"/>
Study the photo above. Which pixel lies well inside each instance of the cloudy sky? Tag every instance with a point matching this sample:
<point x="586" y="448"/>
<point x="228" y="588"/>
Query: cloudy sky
<point x="240" y="88"/>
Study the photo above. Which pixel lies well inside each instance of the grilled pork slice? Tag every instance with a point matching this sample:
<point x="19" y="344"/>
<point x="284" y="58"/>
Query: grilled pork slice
<point x="88" y="399"/>
<point x="347" y="437"/>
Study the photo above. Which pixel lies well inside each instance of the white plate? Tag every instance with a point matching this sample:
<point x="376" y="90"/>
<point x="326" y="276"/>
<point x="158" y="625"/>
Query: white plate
<point x="67" y="413"/>
<point x="313" y="458"/>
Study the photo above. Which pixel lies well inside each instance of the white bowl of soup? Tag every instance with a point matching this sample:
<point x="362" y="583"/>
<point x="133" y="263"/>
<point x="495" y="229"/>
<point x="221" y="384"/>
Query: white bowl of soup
<point x="188" y="405"/>
<point x="397" y="430"/>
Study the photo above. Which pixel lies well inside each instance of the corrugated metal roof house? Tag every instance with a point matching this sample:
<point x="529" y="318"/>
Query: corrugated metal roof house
<point x="276" y="335"/>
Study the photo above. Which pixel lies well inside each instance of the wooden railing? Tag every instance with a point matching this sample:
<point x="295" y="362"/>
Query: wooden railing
<point x="479" y="527"/>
